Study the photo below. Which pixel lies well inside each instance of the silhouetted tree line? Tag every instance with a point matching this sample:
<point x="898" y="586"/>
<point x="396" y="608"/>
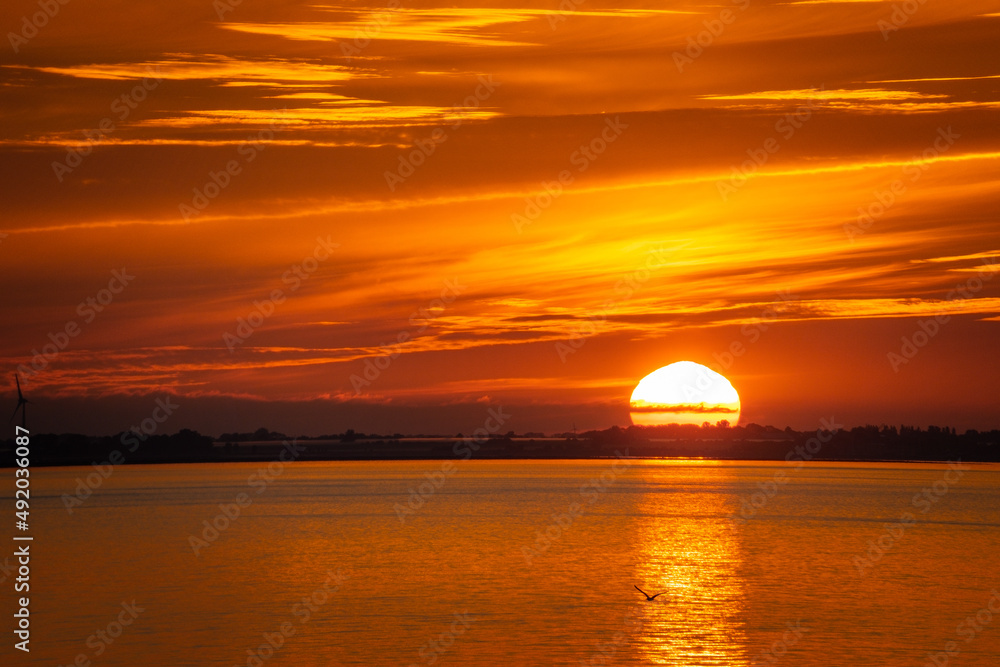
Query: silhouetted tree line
<point x="127" y="447"/>
<point x="869" y="443"/>
<point x="260" y="435"/>
<point x="264" y="435"/>
<point x="750" y="442"/>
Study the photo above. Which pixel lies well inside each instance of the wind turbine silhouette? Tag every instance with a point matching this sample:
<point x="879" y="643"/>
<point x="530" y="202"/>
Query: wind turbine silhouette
<point x="21" y="403"/>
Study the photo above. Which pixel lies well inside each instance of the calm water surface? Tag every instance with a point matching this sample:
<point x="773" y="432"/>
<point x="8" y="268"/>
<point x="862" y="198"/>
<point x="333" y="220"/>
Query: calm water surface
<point x="482" y="573"/>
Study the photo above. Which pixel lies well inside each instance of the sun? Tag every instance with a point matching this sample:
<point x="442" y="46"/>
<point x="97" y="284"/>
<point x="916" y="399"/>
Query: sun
<point x="684" y="393"/>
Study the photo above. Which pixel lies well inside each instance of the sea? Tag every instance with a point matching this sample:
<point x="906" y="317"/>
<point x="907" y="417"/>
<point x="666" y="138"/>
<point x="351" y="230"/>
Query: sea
<point x="484" y="562"/>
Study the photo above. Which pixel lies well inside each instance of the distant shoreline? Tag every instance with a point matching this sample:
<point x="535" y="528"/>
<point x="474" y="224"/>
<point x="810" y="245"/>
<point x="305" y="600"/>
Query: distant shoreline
<point x="735" y="444"/>
<point x="511" y="460"/>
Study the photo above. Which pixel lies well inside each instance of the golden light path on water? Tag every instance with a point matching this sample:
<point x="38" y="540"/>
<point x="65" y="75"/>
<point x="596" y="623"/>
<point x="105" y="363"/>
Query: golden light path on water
<point x="694" y="556"/>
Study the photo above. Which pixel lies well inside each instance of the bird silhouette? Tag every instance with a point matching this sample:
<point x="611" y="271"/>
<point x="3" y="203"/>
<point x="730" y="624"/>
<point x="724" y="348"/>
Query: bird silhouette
<point x="649" y="598"/>
<point x="21" y="403"/>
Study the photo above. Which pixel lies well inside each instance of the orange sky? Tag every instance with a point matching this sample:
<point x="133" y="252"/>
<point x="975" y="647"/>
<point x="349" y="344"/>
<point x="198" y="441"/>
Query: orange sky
<point x="574" y="199"/>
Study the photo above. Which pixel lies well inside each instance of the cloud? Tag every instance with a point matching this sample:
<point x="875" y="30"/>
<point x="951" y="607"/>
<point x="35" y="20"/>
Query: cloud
<point x="940" y="78"/>
<point x="958" y="258"/>
<point x="696" y="408"/>
<point x="211" y="67"/>
<point x="861" y="100"/>
<point x="473" y="26"/>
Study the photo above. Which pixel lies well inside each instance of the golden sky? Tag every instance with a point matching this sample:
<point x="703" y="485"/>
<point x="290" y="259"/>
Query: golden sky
<point x="499" y="204"/>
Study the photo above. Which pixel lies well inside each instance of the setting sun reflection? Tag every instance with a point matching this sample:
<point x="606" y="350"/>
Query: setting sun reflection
<point x="693" y="555"/>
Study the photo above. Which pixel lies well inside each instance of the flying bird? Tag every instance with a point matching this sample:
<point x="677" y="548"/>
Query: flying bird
<point x="21" y="403"/>
<point x="649" y="598"/>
